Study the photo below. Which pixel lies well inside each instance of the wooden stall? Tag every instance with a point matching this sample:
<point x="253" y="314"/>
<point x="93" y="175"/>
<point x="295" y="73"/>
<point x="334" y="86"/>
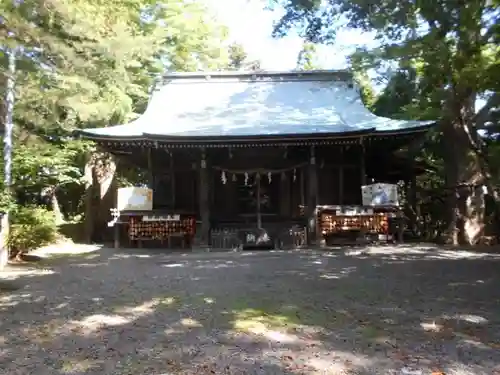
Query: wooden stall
<point x="257" y="160"/>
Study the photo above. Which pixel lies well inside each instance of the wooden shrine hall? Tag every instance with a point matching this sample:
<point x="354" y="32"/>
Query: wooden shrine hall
<point x="262" y="158"/>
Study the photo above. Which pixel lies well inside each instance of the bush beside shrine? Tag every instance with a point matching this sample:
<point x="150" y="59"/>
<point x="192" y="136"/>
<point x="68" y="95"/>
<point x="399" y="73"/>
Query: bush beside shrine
<point x="31" y="227"/>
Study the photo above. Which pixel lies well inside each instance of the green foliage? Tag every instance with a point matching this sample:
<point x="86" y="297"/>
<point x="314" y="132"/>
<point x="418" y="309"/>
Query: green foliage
<point x="238" y="59"/>
<point x="87" y="64"/>
<point x="46" y="164"/>
<point x="31" y="227"/>
<point x="237" y="56"/>
<point x="452" y="45"/>
<point x="446" y="55"/>
<point x="307" y="57"/>
<point x="7" y="201"/>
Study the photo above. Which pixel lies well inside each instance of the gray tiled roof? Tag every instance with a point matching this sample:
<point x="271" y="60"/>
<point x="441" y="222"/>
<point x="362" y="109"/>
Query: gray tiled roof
<point x="254" y="104"/>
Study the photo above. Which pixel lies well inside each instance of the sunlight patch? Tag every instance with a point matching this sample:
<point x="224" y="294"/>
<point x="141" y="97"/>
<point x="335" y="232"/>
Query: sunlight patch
<point x="61" y="306"/>
<point x="261" y="329"/>
<point x="191" y="323"/>
<point x="94" y="322"/>
<point x="126" y="256"/>
<point x="140" y="310"/>
<point x="167" y="301"/>
<point x="342" y="363"/>
<point x="14" y="299"/>
<point x="10" y="274"/>
<point x="173" y="265"/>
<point x="209" y="300"/>
<point x="431" y="327"/>
<point x="338" y="275"/>
<point x="146" y="307"/>
<point x="330" y="276"/>
<point x="279" y="337"/>
<point x="475" y="319"/>
<point x="72" y="366"/>
<point x="250" y="326"/>
<point x="248" y="317"/>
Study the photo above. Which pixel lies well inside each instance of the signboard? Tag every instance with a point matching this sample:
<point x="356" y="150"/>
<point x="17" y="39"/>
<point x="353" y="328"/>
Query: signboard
<point x="380" y="195"/>
<point x="135" y="199"/>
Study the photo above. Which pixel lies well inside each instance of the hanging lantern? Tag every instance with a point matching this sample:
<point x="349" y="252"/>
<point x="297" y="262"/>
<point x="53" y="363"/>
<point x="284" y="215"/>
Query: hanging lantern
<point x="246" y="178"/>
<point x="223" y="177"/>
<point x="234" y="177"/>
<point x="269" y="177"/>
<point x="294" y="174"/>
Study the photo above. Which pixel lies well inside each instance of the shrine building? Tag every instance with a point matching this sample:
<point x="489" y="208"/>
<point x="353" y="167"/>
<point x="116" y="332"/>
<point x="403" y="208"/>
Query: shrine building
<point x="277" y="158"/>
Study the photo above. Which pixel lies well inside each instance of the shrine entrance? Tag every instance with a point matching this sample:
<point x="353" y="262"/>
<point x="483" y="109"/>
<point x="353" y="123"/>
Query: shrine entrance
<point x="257" y="198"/>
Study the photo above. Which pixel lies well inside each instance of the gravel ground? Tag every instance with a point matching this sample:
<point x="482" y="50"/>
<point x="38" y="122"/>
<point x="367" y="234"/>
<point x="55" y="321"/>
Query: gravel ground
<point x="377" y="310"/>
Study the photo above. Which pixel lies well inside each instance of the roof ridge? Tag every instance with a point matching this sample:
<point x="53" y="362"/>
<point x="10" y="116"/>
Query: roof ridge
<point x="343" y="75"/>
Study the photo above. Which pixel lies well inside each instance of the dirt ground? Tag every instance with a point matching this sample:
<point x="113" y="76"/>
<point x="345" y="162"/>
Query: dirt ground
<point x="371" y="310"/>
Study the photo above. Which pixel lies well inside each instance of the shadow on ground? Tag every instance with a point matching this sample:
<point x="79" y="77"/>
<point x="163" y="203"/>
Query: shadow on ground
<point x="369" y="310"/>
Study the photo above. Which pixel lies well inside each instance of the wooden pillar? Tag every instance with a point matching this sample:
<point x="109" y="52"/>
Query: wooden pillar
<point x="231" y="193"/>
<point x="172" y="179"/>
<point x="341" y="176"/>
<point x="150" y="169"/>
<point x="259" y="216"/>
<point x="116" y="236"/>
<point x="302" y="187"/>
<point x="204" y="191"/>
<point x="312" y="198"/>
<point x="363" y="162"/>
<point x="412" y="201"/>
<point x="285" y="201"/>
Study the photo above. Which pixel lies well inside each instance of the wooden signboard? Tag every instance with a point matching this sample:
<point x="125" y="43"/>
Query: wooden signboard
<point x="135" y="199"/>
<point x="380" y="195"/>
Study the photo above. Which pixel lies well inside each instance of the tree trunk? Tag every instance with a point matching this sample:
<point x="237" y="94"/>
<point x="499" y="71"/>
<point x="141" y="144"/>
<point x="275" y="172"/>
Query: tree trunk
<point x="467" y="174"/>
<point x="90" y="187"/>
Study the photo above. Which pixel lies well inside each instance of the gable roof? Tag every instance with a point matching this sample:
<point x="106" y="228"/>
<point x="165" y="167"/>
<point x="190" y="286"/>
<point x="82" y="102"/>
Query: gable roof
<point x="228" y="105"/>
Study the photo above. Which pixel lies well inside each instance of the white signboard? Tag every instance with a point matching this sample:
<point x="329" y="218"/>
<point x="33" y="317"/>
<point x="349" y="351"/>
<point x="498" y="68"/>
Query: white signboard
<point x="380" y="195"/>
<point x="162" y="218"/>
<point x="135" y="199"/>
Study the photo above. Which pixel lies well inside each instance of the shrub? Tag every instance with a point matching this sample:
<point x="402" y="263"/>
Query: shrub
<point x="31" y="227"/>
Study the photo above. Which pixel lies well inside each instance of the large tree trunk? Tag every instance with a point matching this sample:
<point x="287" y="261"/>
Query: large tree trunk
<point x="100" y="195"/>
<point x="89" y="199"/>
<point x="467" y="173"/>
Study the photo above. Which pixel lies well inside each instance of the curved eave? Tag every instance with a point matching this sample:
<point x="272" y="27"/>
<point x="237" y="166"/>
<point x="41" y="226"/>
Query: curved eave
<point x="425" y="126"/>
<point x="107" y="137"/>
<point x="258" y="138"/>
<point x="311" y="137"/>
<point x="225" y="139"/>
